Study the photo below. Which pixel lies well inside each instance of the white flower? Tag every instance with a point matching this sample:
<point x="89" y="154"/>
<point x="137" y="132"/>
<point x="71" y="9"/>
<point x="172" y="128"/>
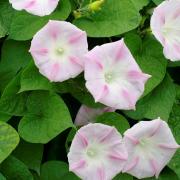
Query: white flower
<point x="86" y="114"/>
<point x="113" y="77"/>
<point x="165" y="25"/>
<point x="36" y="7"/>
<point x="58" y="50"/>
<point x="97" y="152"/>
<point x="150" y="146"/>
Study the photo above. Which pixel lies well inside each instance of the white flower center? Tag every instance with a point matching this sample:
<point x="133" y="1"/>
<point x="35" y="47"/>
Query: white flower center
<point x="143" y="142"/>
<point x="59" y="51"/>
<point x="91" y="152"/>
<point x="108" y="77"/>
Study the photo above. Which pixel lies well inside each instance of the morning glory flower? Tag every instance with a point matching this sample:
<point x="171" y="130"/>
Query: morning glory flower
<point x="58" y="49"/>
<point x="97" y="152"/>
<point x="150" y="146"/>
<point x="113" y="77"/>
<point x="165" y="25"/>
<point x="86" y="114"/>
<point x="36" y="7"/>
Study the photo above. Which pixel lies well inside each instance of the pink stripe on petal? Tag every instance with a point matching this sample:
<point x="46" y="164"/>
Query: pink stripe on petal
<point x="116" y="156"/>
<point x="168" y="146"/>
<point x="135" y="74"/>
<point x="75" y="61"/>
<point x="101" y="173"/>
<point x="78" y="165"/>
<point x="107" y="135"/>
<point x="132" y="165"/>
<point x="121" y="53"/>
<point x="132" y="139"/>
<point x="75" y="38"/>
<point x="83" y="139"/>
<point x="162" y="17"/>
<point x="53" y="30"/>
<point x="30" y="4"/>
<point x="176" y="14"/>
<point x="95" y="60"/>
<point x="154" y="166"/>
<point x="54" y="71"/>
<point x="156" y="129"/>
<point x="102" y="93"/>
<point x="129" y="98"/>
<point x="99" y="65"/>
<point x="41" y="52"/>
<point x="177" y="47"/>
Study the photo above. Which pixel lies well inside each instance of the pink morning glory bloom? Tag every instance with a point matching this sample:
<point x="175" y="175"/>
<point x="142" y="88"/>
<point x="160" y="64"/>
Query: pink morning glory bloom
<point x="36" y="7"/>
<point x="97" y="152"/>
<point x="165" y="25"/>
<point x="86" y="114"/>
<point x="58" y="49"/>
<point x="150" y="146"/>
<point x="113" y="77"/>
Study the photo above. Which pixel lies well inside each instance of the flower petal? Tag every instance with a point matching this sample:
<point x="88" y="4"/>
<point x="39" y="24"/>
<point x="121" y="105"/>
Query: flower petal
<point x="113" y="77"/>
<point x="58" y="50"/>
<point x="86" y="114"/>
<point x="150" y="146"/>
<point x="36" y="7"/>
<point x="165" y="25"/>
<point x="103" y="157"/>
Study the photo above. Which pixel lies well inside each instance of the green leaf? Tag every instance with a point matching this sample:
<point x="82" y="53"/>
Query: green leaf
<point x="25" y="25"/>
<point x="8" y="141"/>
<point x="6" y="15"/>
<point x="30" y="154"/>
<point x="166" y="174"/>
<point x="140" y="3"/>
<point x="2" y="29"/>
<point x="78" y="90"/>
<point x="2" y="177"/>
<point x="70" y="176"/>
<point x="114" y="119"/>
<point x="12" y="103"/>
<point x="115" y="17"/>
<point x="54" y="170"/>
<point x="174" y="64"/>
<point x="69" y="138"/>
<point x="14" y="57"/>
<point x="31" y="79"/>
<point x="156" y="104"/>
<point x="76" y="87"/>
<point x="157" y="2"/>
<point x="174" y="123"/>
<point x="150" y="58"/>
<point x="123" y="177"/>
<point x="14" y="169"/>
<point x="47" y="116"/>
<point x="4" y="117"/>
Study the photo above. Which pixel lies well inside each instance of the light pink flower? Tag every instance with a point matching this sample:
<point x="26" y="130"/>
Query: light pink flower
<point x="150" y="146"/>
<point x="36" y="7"/>
<point x="86" y="114"/>
<point x="113" y="77"/>
<point x="57" y="50"/>
<point x="165" y="25"/>
<point x="97" y="152"/>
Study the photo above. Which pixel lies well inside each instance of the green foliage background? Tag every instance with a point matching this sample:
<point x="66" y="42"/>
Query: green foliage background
<point x="36" y="116"/>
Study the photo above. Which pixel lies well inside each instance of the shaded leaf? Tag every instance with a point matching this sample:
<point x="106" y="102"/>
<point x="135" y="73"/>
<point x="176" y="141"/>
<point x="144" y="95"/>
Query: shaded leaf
<point x="47" y="116"/>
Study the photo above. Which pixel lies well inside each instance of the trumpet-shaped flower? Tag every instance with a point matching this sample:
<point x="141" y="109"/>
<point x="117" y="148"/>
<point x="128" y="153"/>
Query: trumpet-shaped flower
<point x="165" y="25"/>
<point x="150" y="146"/>
<point x="113" y="77"/>
<point x="36" y="7"/>
<point x="97" y="152"/>
<point x="57" y="50"/>
<point x="86" y="114"/>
